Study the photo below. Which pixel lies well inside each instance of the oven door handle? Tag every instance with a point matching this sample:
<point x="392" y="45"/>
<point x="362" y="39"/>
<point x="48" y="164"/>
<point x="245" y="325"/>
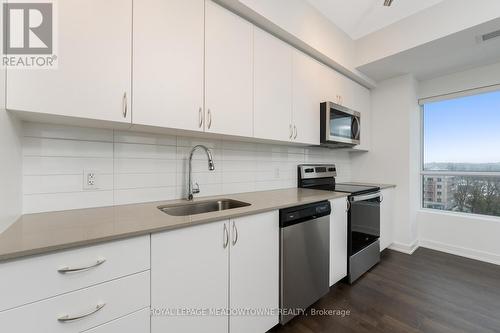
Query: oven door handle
<point x="366" y="197"/>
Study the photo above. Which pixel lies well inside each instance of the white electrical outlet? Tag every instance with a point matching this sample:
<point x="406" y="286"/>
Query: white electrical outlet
<point x="276" y="173"/>
<point x="90" y="180"/>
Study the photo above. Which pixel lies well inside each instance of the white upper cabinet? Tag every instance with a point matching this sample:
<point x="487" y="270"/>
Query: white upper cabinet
<point x="272" y="87"/>
<point x="362" y="102"/>
<point x="228" y="72"/>
<point x="307" y="97"/>
<point x="341" y="90"/>
<point x="254" y="273"/>
<point x="93" y="78"/>
<point x="168" y="63"/>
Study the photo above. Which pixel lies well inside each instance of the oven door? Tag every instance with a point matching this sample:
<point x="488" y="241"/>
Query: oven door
<point x="364" y="221"/>
<point x="339" y="124"/>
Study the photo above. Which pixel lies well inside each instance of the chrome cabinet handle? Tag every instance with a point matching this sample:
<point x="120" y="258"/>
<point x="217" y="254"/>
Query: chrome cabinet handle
<point x="226" y="237"/>
<point x="124" y="105"/>
<point x="209" y="119"/>
<point x="67" y="269"/>
<point x="200" y="117"/>
<point x="68" y="318"/>
<point x="381" y="197"/>
<point x="235" y="234"/>
<point x="296" y="132"/>
<point x="291" y="131"/>
<point x="348" y="206"/>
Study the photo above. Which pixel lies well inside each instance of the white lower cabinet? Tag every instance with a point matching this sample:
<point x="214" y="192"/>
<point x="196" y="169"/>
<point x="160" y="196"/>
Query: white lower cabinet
<point x="190" y="271"/>
<point x="70" y="270"/>
<point x="254" y="272"/>
<point x="137" y="322"/>
<point x="202" y="272"/>
<point x="386" y="218"/>
<point x="338" y="240"/>
<point x="81" y="310"/>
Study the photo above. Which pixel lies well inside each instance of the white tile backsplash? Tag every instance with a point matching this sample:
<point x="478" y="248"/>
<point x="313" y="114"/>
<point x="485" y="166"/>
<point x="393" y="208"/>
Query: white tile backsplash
<point x="139" y="167"/>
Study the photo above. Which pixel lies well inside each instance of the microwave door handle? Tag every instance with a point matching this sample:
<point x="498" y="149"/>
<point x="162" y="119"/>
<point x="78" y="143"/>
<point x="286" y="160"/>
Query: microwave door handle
<point x="355" y="136"/>
<point x="359" y="128"/>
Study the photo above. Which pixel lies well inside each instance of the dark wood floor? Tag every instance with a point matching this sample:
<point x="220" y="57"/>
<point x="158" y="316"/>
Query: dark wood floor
<point x="428" y="291"/>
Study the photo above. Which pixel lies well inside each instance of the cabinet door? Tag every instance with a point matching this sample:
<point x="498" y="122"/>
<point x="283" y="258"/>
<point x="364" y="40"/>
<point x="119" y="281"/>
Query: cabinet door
<point x="168" y="63"/>
<point x="338" y="240"/>
<point x="307" y="97"/>
<point x="272" y="87"/>
<point x="254" y="273"/>
<point x="228" y="72"/>
<point x="93" y="78"/>
<point x="331" y="86"/>
<point x="189" y="269"/>
<point x="386" y="218"/>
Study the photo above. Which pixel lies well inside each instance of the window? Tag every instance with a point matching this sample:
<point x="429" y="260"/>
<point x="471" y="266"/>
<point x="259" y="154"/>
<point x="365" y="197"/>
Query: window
<point x="461" y="155"/>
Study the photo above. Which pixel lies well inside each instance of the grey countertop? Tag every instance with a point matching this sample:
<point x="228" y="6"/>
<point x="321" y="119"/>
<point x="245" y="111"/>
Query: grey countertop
<point x="40" y="233"/>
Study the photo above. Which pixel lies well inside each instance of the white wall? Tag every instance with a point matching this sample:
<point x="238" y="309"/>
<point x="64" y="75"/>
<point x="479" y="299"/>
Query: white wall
<point x="470" y="79"/>
<point x="393" y="157"/>
<point x="10" y="169"/>
<point x="472" y="236"/>
<point x="10" y="164"/>
<point x="137" y="167"/>
<point x="468" y="236"/>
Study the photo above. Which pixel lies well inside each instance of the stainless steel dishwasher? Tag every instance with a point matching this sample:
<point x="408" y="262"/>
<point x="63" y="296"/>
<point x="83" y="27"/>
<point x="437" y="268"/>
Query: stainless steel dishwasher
<point x="304" y="257"/>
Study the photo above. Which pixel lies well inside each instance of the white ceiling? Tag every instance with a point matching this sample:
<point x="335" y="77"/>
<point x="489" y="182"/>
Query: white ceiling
<point x="457" y="52"/>
<point x="359" y="18"/>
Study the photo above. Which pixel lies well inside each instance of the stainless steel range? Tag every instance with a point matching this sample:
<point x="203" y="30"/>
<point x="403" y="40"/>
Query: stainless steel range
<point x="363" y="215"/>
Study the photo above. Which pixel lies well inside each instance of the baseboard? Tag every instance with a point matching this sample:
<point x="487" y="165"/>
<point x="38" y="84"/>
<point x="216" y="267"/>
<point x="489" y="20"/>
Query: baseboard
<point x="404" y="248"/>
<point x="461" y="251"/>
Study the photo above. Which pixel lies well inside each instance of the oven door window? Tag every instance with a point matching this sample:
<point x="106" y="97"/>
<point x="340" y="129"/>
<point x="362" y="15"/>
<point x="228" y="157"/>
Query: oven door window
<point x="342" y="124"/>
<point x="365" y="223"/>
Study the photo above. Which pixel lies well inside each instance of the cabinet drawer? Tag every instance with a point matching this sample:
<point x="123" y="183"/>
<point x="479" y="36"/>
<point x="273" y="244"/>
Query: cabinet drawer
<point x="32" y="279"/>
<point x="117" y="298"/>
<point x="137" y="322"/>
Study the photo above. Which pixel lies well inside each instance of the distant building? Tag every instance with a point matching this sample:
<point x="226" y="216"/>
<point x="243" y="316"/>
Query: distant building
<point x="439" y="192"/>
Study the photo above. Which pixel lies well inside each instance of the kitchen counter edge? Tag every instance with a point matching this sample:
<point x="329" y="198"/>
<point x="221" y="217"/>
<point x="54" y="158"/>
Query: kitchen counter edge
<point x="43" y="233"/>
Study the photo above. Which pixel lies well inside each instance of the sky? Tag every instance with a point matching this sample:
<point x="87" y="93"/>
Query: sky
<point x="463" y="130"/>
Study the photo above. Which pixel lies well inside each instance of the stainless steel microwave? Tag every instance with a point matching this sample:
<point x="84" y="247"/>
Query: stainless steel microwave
<point x="340" y="126"/>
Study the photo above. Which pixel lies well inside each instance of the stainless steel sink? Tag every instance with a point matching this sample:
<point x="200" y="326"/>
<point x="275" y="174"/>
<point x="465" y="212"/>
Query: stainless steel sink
<point x="193" y="208"/>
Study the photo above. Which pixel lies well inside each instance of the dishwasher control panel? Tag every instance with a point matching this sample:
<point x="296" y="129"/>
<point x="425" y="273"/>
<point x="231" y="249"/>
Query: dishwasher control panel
<point x="294" y="215"/>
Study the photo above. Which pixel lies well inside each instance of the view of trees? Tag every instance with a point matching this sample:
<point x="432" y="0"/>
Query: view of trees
<point x="477" y="195"/>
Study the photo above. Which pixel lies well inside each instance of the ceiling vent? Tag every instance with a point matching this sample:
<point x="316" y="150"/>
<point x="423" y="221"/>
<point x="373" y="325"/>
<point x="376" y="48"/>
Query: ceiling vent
<point x="491" y="35"/>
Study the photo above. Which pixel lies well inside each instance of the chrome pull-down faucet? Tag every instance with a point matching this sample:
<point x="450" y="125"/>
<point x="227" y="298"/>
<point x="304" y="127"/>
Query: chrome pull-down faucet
<point x="211" y="167"/>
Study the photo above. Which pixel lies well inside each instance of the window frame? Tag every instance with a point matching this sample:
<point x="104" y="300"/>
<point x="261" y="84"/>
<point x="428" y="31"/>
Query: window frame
<point x="436" y="174"/>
